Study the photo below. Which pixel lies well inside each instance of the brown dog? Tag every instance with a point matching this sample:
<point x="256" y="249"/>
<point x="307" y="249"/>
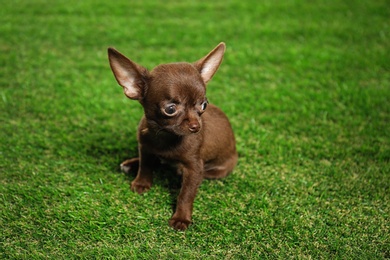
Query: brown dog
<point x="177" y="128"/>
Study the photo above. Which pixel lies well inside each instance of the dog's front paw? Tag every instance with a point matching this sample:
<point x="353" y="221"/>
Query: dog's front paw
<point x="140" y="187"/>
<point x="179" y="224"/>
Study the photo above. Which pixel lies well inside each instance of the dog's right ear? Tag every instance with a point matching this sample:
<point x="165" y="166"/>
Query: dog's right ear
<point x="208" y="65"/>
<point x="131" y="76"/>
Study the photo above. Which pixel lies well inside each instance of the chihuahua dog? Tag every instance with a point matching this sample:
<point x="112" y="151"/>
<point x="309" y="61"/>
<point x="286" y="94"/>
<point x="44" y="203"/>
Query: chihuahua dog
<point x="179" y="126"/>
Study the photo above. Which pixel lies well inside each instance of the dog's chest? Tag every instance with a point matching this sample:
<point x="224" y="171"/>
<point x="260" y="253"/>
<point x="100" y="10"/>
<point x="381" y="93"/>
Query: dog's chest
<point x="169" y="148"/>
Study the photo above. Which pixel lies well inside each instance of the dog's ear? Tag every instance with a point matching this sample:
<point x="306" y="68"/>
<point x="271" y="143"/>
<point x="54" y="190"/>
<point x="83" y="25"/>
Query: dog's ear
<point x="208" y="65"/>
<point x="131" y="76"/>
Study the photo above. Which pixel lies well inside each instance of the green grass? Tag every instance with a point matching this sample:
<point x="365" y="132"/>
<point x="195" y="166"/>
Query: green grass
<point x="306" y="85"/>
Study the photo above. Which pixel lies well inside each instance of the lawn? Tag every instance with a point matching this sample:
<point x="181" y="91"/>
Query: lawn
<point x="306" y="85"/>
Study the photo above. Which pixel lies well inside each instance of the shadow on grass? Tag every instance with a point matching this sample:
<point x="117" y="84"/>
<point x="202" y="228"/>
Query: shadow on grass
<point x="164" y="176"/>
<point x="114" y="150"/>
<point x="111" y="151"/>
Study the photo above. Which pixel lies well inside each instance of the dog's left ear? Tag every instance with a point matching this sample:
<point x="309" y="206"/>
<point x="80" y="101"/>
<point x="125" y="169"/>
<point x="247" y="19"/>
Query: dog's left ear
<point x="131" y="76"/>
<point x="208" y="65"/>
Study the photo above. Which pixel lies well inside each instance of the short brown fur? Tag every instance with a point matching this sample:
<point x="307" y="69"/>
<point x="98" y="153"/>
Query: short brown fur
<point x="177" y="128"/>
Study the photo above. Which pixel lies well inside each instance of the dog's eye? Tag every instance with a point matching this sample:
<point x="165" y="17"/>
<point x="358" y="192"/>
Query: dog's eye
<point x="204" y="105"/>
<point x="170" y="109"/>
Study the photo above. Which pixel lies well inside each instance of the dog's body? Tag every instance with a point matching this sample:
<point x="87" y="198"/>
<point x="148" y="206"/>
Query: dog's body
<point x="177" y="128"/>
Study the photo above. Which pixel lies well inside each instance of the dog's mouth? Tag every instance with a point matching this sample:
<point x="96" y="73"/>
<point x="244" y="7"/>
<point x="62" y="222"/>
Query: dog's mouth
<point x="176" y="129"/>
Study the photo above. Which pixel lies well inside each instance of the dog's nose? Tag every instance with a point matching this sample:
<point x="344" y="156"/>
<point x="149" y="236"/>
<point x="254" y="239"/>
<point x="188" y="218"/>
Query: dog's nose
<point x="194" y="127"/>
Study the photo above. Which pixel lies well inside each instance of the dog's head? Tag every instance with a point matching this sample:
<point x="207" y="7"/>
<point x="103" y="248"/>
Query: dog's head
<point x="173" y="95"/>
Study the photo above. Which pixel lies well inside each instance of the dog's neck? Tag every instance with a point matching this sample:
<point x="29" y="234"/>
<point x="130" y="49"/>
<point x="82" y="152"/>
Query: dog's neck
<point x="159" y="135"/>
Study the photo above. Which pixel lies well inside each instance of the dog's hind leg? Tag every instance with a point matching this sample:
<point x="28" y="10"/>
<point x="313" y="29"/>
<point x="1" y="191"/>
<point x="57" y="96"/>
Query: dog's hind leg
<point x="130" y="165"/>
<point x="221" y="170"/>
